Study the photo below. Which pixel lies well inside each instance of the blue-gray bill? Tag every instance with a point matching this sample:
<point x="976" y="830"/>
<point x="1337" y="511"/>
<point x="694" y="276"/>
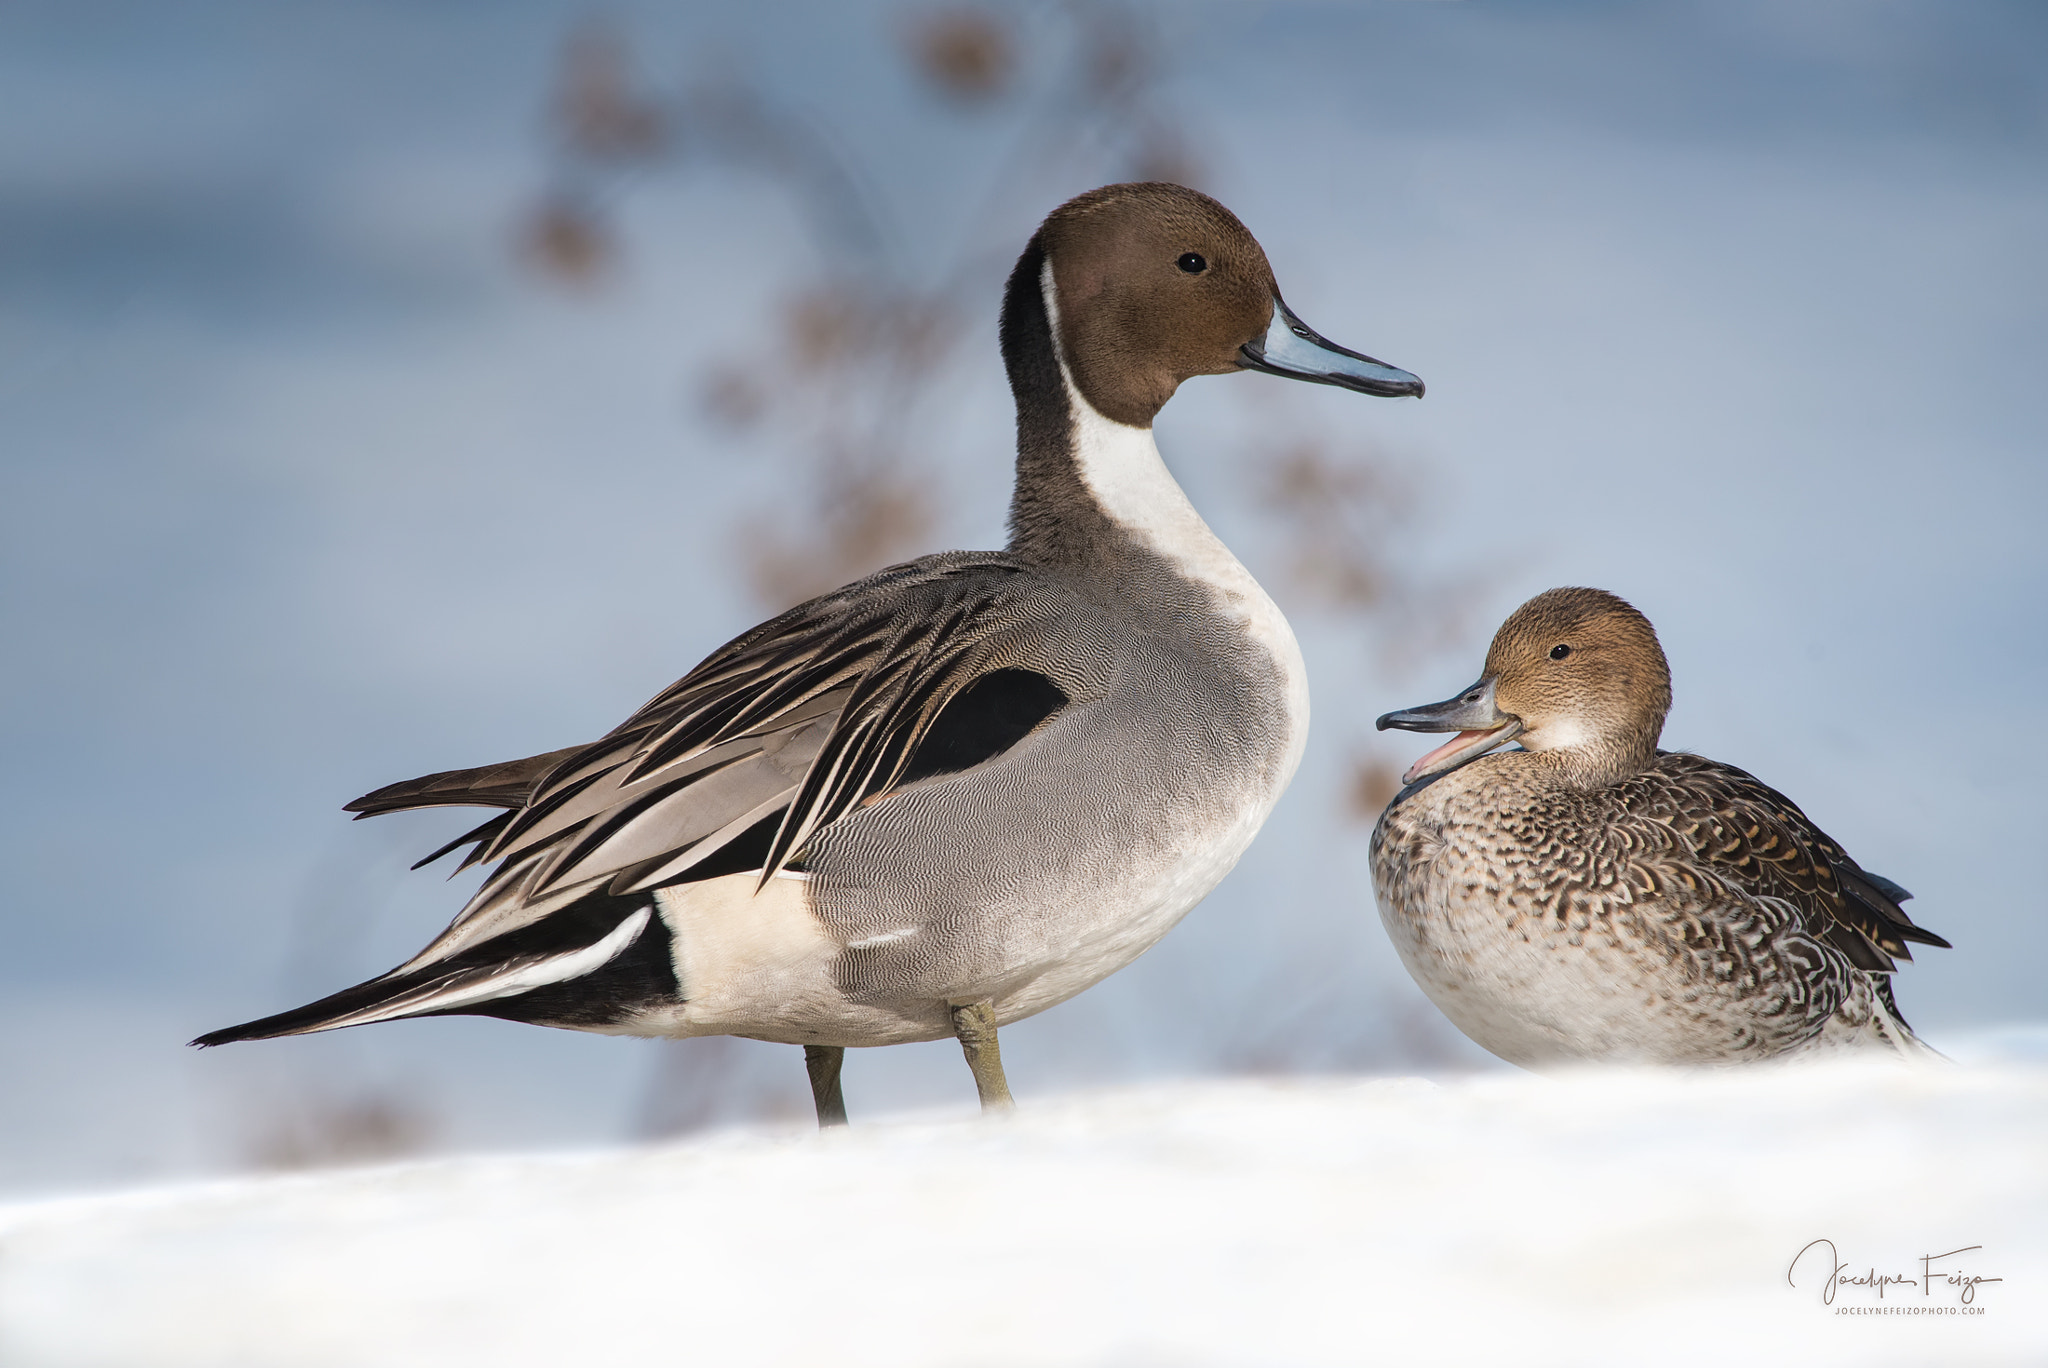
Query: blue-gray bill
<point x="1293" y="349"/>
<point x="1479" y="722"/>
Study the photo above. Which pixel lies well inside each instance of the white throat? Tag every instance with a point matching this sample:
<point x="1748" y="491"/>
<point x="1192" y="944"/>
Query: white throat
<point x="1562" y="732"/>
<point x="1122" y="468"/>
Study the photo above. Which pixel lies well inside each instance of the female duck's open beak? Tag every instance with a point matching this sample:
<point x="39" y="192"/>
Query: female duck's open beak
<point x="1480" y="727"/>
<point x="1293" y="349"/>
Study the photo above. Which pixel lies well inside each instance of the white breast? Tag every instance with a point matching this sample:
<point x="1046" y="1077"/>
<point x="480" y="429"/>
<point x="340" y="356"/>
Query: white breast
<point x="1123" y="470"/>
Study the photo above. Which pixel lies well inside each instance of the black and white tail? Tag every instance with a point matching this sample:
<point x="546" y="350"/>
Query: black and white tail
<point x="590" y="964"/>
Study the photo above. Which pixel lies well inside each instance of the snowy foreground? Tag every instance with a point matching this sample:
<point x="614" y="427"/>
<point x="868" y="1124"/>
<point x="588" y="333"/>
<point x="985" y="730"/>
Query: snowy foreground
<point x="1618" y="1218"/>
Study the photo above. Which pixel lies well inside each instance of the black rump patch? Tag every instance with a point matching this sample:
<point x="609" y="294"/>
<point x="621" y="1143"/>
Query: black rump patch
<point x="641" y="975"/>
<point x="985" y="719"/>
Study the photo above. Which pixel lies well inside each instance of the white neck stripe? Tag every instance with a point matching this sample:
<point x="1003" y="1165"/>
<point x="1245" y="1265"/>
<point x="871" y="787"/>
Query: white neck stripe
<point x="1121" y="467"/>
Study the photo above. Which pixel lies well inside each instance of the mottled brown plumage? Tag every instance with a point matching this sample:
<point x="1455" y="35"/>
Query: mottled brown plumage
<point x="1593" y="897"/>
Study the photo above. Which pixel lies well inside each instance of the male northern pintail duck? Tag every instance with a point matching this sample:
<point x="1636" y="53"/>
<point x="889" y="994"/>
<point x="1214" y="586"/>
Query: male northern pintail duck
<point x="1590" y="897"/>
<point x="952" y="794"/>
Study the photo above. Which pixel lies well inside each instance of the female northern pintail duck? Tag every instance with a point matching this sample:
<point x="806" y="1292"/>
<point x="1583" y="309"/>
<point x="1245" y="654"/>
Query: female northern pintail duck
<point x="952" y="794"/>
<point x="1590" y="897"/>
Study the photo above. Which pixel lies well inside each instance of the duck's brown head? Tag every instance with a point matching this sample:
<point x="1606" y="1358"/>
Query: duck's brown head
<point x="1573" y="671"/>
<point x="1154" y="283"/>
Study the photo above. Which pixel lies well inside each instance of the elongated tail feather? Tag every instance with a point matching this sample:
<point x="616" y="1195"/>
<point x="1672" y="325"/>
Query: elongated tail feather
<point x="590" y="965"/>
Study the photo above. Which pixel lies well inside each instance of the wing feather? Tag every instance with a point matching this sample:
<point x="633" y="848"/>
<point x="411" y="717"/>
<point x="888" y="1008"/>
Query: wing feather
<point x="672" y="817"/>
<point x="504" y="785"/>
<point x="805" y="716"/>
<point x="1756" y="839"/>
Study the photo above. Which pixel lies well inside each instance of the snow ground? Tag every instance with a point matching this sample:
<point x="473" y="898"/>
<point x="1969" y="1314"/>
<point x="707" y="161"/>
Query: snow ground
<point x="276" y="397"/>
<point x="1600" y="1218"/>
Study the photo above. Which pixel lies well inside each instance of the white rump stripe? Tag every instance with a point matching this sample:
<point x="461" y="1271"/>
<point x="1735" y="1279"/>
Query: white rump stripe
<point x="555" y="969"/>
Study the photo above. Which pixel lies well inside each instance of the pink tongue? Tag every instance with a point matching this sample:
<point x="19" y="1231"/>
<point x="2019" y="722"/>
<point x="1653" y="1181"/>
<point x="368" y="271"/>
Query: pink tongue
<point x="1456" y="743"/>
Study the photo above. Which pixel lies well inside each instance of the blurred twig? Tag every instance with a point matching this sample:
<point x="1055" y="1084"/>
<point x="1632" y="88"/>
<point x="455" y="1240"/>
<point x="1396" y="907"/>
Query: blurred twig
<point x="712" y="1080"/>
<point x="335" y="1116"/>
<point x="839" y="397"/>
<point x="870" y="338"/>
<point x="335" y="1125"/>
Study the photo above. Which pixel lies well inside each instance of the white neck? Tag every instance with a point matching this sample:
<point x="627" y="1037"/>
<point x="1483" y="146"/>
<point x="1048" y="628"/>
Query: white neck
<point x="1122" y="468"/>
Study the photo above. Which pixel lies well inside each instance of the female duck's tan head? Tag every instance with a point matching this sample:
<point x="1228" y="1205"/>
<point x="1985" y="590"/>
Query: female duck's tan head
<point x="1574" y="672"/>
<point x="1151" y="284"/>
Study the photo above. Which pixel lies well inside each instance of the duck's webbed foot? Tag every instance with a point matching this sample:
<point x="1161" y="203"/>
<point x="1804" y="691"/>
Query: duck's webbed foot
<point x="975" y="1025"/>
<point x="822" y="1063"/>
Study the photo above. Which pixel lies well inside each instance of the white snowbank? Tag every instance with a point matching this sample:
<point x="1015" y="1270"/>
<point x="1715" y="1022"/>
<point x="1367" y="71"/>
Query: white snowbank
<point x="1616" y="1218"/>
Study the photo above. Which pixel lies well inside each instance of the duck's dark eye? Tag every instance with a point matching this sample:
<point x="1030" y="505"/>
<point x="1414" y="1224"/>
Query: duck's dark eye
<point x="1192" y="263"/>
<point x="1559" y="652"/>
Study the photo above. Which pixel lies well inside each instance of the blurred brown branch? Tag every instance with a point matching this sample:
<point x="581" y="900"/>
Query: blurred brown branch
<point x="1374" y="782"/>
<point x="1351" y="512"/>
<point x="290" y="1129"/>
<point x="870" y="339"/>
<point x="839" y="398"/>
<point x="967" y="53"/>
<point x="566" y="239"/>
<point x="713" y="1080"/>
<point x="599" y="110"/>
<point x="332" y="1115"/>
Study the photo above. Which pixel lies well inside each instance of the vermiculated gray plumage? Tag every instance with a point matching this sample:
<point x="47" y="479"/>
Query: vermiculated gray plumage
<point x="951" y="794"/>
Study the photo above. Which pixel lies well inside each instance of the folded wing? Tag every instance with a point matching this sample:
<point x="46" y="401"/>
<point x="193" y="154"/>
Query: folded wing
<point x="1758" y="840"/>
<point x="926" y="667"/>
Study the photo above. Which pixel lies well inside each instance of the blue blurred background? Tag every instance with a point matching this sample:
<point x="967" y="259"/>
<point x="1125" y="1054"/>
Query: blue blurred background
<point x="392" y="387"/>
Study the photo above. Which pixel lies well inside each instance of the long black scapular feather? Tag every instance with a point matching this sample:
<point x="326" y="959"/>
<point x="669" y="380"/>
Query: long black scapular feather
<point x="921" y="670"/>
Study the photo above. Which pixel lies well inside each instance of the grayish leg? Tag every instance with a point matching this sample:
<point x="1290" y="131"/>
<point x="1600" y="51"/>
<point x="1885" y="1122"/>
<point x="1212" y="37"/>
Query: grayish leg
<point x="822" y="1063"/>
<point x="975" y="1024"/>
